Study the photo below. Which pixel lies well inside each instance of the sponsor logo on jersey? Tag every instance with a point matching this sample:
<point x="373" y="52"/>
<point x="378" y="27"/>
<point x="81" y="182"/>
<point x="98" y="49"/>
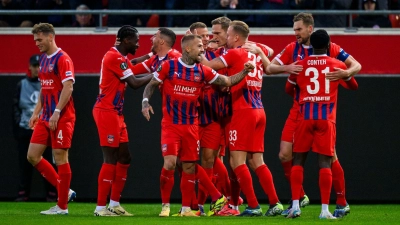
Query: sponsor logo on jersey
<point x="47" y="82"/>
<point x="123" y="66"/>
<point x="185" y="89"/>
<point x="196" y="77"/>
<point x="110" y="138"/>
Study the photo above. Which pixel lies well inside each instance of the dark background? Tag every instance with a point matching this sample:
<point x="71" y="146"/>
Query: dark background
<point x="367" y="143"/>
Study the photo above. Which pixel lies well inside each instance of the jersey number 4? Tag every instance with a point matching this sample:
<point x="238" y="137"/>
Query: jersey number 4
<point x="312" y="71"/>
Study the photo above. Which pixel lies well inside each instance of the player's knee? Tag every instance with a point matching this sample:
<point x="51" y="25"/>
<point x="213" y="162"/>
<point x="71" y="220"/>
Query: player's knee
<point x="169" y="165"/>
<point x="285" y="156"/>
<point x="32" y="159"/>
<point x="126" y="159"/>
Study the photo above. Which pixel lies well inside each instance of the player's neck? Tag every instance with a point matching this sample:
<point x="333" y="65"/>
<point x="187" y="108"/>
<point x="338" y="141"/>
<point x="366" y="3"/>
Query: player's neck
<point x="238" y="44"/>
<point x="121" y="50"/>
<point x="163" y="52"/>
<point x="187" y="60"/>
<point x="319" y="52"/>
<point x="53" y="48"/>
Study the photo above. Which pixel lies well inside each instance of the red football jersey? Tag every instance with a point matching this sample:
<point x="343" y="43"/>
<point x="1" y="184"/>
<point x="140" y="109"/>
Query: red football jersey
<point x="54" y="70"/>
<point x="246" y="94"/>
<point x="182" y="86"/>
<point x="115" y="67"/>
<point x="318" y="96"/>
<point x="151" y="65"/>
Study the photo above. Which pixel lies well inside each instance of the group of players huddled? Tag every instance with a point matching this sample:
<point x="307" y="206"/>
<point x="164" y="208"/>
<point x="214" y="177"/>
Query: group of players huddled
<point x="211" y="100"/>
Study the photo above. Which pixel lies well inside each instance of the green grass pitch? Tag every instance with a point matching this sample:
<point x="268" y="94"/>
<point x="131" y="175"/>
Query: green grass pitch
<point x="82" y="213"/>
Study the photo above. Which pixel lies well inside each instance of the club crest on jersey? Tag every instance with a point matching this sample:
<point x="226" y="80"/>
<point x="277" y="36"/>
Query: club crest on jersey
<point x="110" y="138"/>
<point x="51" y="67"/>
<point x="164" y="148"/>
<point x="159" y="68"/>
<point x="196" y="77"/>
<point x="123" y="66"/>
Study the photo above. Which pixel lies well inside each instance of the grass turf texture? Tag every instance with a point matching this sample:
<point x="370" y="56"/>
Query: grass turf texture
<point x="82" y="213"/>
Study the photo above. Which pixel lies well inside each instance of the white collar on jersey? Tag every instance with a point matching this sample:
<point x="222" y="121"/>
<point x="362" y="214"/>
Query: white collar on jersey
<point x="306" y="46"/>
<point x="318" y="55"/>
<point x="188" y="66"/>
<point x="55" y="53"/>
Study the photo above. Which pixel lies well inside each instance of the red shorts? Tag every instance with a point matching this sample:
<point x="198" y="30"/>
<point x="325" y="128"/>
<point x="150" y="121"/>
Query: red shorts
<point x="290" y="125"/>
<point x="111" y="128"/>
<point x="247" y="130"/>
<point x="61" y="138"/>
<point x="210" y="135"/>
<point x="225" y="124"/>
<point x="318" y="135"/>
<point x="180" y="140"/>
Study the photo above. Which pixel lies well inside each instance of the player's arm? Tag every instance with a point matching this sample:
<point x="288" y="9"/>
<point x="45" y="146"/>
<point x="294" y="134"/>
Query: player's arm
<point x="353" y="67"/>
<point x="290" y="85"/>
<point x="349" y="83"/>
<point x="66" y="92"/>
<point x="147" y="93"/>
<point x="266" y="48"/>
<point x="141" y="58"/>
<point x="135" y="82"/>
<point x="215" y="64"/>
<point x="275" y="68"/>
<point x="235" y="79"/>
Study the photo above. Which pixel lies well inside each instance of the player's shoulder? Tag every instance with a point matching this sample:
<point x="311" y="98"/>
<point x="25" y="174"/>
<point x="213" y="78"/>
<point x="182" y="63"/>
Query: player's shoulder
<point x="174" y="54"/>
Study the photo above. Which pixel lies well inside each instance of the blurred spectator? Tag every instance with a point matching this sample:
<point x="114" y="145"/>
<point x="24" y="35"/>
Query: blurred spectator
<point x="91" y="4"/>
<point x="187" y="20"/>
<point x="332" y="20"/>
<point x="56" y="19"/>
<point x="272" y="21"/>
<point x="228" y="4"/>
<point x="133" y="20"/>
<point x="83" y="20"/>
<point x="374" y="21"/>
<point x="25" y="99"/>
<point x="14" y="20"/>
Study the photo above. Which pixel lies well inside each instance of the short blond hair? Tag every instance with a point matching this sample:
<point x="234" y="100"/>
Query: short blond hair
<point x="45" y="28"/>
<point x="240" y="28"/>
<point x="223" y="21"/>
<point x="307" y="18"/>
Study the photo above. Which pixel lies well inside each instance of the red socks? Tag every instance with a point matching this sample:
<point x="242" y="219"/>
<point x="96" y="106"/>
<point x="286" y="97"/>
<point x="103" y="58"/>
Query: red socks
<point x="235" y="190"/>
<point x="118" y="184"/>
<point x="267" y="183"/>
<point x="166" y="184"/>
<point x="246" y="184"/>
<point x="339" y="183"/>
<point x="48" y="172"/>
<point x="287" y="167"/>
<point x="202" y="192"/>
<point x="296" y="181"/>
<point x="105" y="179"/>
<point x="223" y="184"/>
<point x="188" y="182"/>
<point x="64" y="173"/>
<point x="206" y="182"/>
<point x="325" y="184"/>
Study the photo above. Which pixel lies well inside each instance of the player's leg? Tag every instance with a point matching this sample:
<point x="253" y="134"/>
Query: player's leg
<point x="118" y="184"/>
<point x="256" y="163"/>
<point x="296" y="181"/>
<point x="167" y="183"/>
<point x="188" y="181"/>
<point x="51" y="191"/>
<point x="339" y="187"/>
<point x="325" y="184"/>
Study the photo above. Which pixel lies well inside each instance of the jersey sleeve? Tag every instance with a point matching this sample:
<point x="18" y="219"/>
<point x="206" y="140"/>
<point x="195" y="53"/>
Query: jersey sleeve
<point x="162" y="72"/>
<point x="230" y="57"/>
<point x="285" y="56"/>
<point x="264" y="49"/>
<point x="210" y="75"/>
<point x="144" y="67"/>
<point x="66" y="69"/>
<point x="349" y="83"/>
<point x="120" y="67"/>
<point x="337" y="52"/>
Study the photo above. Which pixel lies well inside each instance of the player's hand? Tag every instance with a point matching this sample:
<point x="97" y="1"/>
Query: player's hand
<point x="249" y="66"/>
<point x="293" y="68"/>
<point x="337" y="74"/>
<point x="251" y="47"/>
<point x="33" y="121"/>
<point x="54" y="120"/>
<point x="146" y="109"/>
<point x="212" y="45"/>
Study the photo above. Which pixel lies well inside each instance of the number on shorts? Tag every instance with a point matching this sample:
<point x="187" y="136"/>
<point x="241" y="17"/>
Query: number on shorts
<point x="60" y="136"/>
<point x="232" y="135"/>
